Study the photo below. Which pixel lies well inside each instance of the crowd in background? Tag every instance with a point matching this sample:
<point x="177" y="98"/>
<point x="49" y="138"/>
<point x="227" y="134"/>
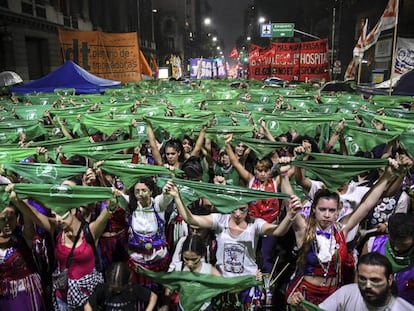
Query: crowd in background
<point x="96" y="249"/>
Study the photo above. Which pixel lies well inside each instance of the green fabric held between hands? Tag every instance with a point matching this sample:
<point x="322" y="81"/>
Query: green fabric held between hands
<point x="59" y="198"/>
<point x="15" y="154"/>
<point x="365" y="139"/>
<point x="177" y="126"/>
<point x="129" y="173"/>
<point x="197" y="288"/>
<point x="99" y="150"/>
<point x="106" y="126"/>
<point x="218" y="133"/>
<point x="45" y="173"/>
<point x="263" y="147"/>
<point x="334" y="170"/>
<point x="225" y="198"/>
<point x="407" y="141"/>
<point x="10" y="130"/>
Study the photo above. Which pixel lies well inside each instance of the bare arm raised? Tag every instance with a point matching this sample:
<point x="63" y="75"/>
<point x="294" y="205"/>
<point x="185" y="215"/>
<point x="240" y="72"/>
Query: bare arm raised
<point x="203" y="221"/>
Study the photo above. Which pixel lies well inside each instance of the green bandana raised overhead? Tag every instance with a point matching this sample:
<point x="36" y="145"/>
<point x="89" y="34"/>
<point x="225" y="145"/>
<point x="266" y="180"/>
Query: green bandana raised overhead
<point x="225" y="198"/>
<point x="334" y="170"/>
<point x="196" y="288"/>
<point x="59" y="198"/>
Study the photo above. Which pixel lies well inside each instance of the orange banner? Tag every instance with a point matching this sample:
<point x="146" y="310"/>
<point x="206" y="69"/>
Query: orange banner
<point x="112" y="56"/>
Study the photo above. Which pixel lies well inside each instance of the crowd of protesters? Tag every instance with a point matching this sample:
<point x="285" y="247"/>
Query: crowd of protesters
<point x="92" y="237"/>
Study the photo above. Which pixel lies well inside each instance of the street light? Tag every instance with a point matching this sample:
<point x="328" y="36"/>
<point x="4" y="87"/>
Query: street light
<point x="207" y="21"/>
<point x="262" y="19"/>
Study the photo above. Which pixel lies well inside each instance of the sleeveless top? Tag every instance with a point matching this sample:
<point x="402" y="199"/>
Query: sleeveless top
<point x="83" y="260"/>
<point x="267" y="209"/>
<point x="313" y="267"/>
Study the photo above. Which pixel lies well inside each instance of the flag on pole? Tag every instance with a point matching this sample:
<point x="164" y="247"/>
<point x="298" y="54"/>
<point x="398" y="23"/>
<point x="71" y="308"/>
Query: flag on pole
<point x="358" y="53"/>
<point x="388" y="20"/>
<point x="234" y="53"/>
<point x="360" y="46"/>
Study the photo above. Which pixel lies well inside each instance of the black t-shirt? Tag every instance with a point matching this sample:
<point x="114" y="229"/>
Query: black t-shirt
<point x="124" y="301"/>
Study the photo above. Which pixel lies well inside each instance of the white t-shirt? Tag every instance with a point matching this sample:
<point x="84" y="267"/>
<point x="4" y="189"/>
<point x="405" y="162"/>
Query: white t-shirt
<point x="348" y="298"/>
<point x="236" y="255"/>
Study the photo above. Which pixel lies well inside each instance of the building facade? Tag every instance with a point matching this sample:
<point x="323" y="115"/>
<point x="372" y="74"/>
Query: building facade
<point x="29" y="43"/>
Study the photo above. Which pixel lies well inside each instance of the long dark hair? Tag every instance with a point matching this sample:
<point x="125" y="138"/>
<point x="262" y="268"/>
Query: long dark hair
<point x="117" y="277"/>
<point x="177" y="145"/>
<point x="310" y="235"/>
<point x="152" y="186"/>
<point x="193" y="243"/>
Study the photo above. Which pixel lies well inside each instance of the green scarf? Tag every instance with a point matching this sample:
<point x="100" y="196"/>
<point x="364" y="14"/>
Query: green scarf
<point x="129" y="173"/>
<point x="15" y="154"/>
<point x="99" y="150"/>
<point x="185" y="99"/>
<point x="224" y="197"/>
<point x="365" y="139"/>
<point x="105" y="125"/>
<point x="407" y="141"/>
<point x="58" y="198"/>
<point x="32" y="112"/>
<point x="177" y="126"/>
<point x="303" y="123"/>
<point x="401" y="263"/>
<point x="10" y="130"/>
<point x="397" y="124"/>
<point x="218" y="133"/>
<point x="45" y="173"/>
<point x="197" y="288"/>
<point x="334" y="170"/>
<point x="263" y="147"/>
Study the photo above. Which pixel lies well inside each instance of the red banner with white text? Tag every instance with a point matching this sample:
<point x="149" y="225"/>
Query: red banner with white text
<point x="298" y="61"/>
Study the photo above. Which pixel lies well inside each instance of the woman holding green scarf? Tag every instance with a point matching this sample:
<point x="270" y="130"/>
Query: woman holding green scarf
<point x="76" y="274"/>
<point x="398" y="247"/>
<point x="323" y="256"/>
<point x="147" y="244"/>
<point x="237" y="238"/>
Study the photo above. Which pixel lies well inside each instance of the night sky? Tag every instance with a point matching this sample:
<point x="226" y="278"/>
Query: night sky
<point x="228" y="21"/>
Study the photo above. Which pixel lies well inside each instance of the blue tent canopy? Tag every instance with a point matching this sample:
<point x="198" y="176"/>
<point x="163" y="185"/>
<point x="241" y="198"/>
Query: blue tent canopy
<point x="67" y="76"/>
